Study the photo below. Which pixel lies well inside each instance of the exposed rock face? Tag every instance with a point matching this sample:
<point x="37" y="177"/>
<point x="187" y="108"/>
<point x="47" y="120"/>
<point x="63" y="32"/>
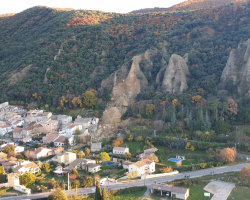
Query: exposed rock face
<point x="238" y="67"/>
<point x="175" y="77"/>
<point x="19" y="76"/>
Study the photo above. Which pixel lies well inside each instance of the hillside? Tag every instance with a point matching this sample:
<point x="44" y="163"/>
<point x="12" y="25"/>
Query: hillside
<point x="190" y="5"/>
<point x="132" y="63"/>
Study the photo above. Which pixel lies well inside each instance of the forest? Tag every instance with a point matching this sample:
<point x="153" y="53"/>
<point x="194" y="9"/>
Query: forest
<point x="57" y="58"/>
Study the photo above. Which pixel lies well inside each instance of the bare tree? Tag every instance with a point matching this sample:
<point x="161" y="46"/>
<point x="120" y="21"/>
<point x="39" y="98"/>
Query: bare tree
<point x="29" y="154"/>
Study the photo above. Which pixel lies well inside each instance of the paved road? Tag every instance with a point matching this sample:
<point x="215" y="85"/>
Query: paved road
<point x="243" y="155"/>
<point x="148" y="182"/>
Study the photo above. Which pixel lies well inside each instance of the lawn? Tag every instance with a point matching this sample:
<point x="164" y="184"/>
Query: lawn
<point x="134" y="146"/>
<point x="192" y="157"/>
<point x="131" y="196"/>
<point x="240" y="193"/>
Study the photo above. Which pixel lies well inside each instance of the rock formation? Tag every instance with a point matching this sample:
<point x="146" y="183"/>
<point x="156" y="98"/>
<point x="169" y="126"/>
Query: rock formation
<point x="238" y="67"/>
<point x="175" y="77"/>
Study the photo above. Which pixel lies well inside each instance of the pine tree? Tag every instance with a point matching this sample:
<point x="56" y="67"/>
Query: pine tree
<point x="173" y="119"/>
<point x="104" y="194"/>
<point x="202" y="121"/>
<point x="207" y="123"/>
<point x="164" y="114"/>
<point x="98" y="192"/>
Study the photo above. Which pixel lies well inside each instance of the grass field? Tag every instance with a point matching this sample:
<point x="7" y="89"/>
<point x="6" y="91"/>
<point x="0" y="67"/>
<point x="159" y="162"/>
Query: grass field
<point x="131" y="196"/>
<point x="134" y="146"/>
<point x="240" y="193"/>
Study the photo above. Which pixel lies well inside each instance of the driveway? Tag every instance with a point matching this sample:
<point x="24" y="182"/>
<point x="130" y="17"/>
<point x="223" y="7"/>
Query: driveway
<point x="220" y="189"/>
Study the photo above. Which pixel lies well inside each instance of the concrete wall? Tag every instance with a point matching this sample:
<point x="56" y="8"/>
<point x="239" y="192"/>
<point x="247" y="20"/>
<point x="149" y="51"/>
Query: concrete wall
<point x="160" y="175"/>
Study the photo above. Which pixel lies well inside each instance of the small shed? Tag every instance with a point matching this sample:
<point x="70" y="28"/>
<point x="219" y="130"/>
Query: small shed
<point x="94" y="167"/>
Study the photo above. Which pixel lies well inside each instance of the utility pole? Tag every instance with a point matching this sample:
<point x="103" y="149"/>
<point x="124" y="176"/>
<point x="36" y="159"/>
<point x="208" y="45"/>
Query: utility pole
<point x="68" y="181"/>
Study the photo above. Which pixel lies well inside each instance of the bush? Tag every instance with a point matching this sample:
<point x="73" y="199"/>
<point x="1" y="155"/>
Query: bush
<point x="3" y="191"/>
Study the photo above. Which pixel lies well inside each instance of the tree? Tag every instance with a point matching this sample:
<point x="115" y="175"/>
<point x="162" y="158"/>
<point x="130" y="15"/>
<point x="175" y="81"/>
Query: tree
<point x="2" y="170"/>
<point x="76" y="184"/>
<point x="52" y="144"/>
<point x="66" y="143"/>
<point x="132" y="174"/>
<point x="90" y="99"/>
<point x="232" y="107"/>
<point x="58" y="194"/>
<point x="8" y="150"/>
<point x="29" y="154"/>
<point x="207" y="123"/>
<point x="245" y="173"/>
<point x="178" y="164"/>
<point x="130" y="138"/>
<point x="175" y="102"/>
<point x="80" y="154"/>
<point x="153" y="157"/>
<point x="45" y="167"/>
<point x="87" y="151"/>
<point x="27" y="179"/>
<point x="173" y="119"/>
<point x="228" y="155"/>
<point x="74" y="171"/>
<point x="221" y="127"/>
<point x="98" y="192"/>
<point x="78" y="132"/>
<point x="127" y="155"/>
<point x="150" y="109"/>
<point x="104" y="156"/>
<point x="105" y="195"/>
<point x="167" y="169"/>
<point x="119" y="141"/>
<point x="139" y="138"/>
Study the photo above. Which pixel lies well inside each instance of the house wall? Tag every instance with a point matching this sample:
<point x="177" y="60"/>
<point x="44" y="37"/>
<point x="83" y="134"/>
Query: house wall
<point x="179" y="196"/>
<point x="93" y="170"/>
<point x="22" y="188"/>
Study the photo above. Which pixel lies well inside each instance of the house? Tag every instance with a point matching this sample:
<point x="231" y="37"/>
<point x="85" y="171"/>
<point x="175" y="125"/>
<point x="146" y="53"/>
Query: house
<point x="142" y="167"/>
<point x="60" y="141"/>
<point x="170" y="191"/>
<point x="50" y="138"/>
<point x="8" y="164"/>
<point x="151" y="150"/>
<point x="95" y="146"/>
<point x="126" y="164"/>
<point x="5" y="129"/>
<point x="23" y="189"/>
<point x="26" y="166"/>
<point x="64" y="119"/>
<point x="32" y="130"/>
<point x="59" y="171"/>
<point x="150" y="156"/>
<point x="92" y="167"/>
<point x="79" y="164"/>
<point x="70" y="128"/>
<point x="3" y="155"/>
<point x="49" y="125"/>
<point x="17" y="133"/>
<point x="27" y="139"/>
<point x="64" y="157"/>
<point x="120" y="150"/>
<point x="86" y="122"/>
<point x="42" y="152"/>
<point x="18" y="149"/>
<point x="33" y="113"/>
<point x="13" y="179"/>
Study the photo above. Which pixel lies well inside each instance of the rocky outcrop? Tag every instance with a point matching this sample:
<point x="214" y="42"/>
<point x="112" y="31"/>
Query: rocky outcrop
<point x="15" y="78"/>
<point x="45" y="76"/>
<point x="175" y="77"/>
<point x="238" y="68"/>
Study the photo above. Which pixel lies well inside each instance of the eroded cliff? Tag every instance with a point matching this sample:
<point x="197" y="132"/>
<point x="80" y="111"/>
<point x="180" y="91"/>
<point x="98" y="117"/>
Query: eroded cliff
<point x="238" y="68"/>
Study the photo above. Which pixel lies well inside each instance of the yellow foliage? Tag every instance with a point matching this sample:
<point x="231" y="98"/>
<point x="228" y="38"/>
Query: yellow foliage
<point x="175" y="101"/>
<point x="90" y="99"/>
<point x="196" y="98"/>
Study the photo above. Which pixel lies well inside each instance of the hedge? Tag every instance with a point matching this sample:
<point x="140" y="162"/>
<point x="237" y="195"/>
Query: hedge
<point x="3" y="191"/>
<point x="125" y="191"/>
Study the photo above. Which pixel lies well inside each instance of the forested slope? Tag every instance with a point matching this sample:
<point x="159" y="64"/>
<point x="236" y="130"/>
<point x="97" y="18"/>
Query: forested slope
<point x="79" y="49"/>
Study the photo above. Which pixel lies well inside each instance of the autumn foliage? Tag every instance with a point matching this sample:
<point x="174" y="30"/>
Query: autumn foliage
<point x="245" y="173"/>
<point x="228" y="155"/>
<point x="119" y="141"/>
<point x="82" y="21"/>
<point x="166" y="169"/>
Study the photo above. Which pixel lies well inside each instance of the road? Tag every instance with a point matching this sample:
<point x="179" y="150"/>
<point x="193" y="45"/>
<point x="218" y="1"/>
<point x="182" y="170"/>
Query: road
<point x="140" y="182"/>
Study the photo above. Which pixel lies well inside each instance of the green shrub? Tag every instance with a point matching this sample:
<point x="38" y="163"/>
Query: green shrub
<point x="3" y="191"/>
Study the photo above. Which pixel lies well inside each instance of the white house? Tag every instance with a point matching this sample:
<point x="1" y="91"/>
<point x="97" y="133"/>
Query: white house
<point x="59" y="142"/>
<point x="26" y="166"/>
<point x="18" y="149"/>
<point x="23" y="189"/>
<point x="70" y="128"/>
<point x="42" y="152"/>
<point x="64" y="119"/>
<point x="120" y="150"/>
<point x="95" y="146"/>
<point x="142" y="167"/>
<point x="92" y="167"/>
<point x="5" y="129"/>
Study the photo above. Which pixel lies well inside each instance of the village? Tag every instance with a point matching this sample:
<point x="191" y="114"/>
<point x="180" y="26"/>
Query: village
<point x="41" y="151"/>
